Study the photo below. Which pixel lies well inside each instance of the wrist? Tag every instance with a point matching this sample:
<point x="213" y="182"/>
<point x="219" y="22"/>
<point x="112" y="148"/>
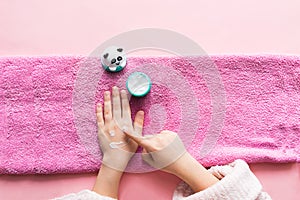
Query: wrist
<point x="179" y="166"/>
<point x="110" y="172"/>
<point x="116" y="162"/>
<point x="193" y="173"/>
<point x="107" y="182"/>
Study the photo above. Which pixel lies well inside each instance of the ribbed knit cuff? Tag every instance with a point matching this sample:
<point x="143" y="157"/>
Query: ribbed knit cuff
<point x="84" y="194"/>
<point x="237" y="182"/>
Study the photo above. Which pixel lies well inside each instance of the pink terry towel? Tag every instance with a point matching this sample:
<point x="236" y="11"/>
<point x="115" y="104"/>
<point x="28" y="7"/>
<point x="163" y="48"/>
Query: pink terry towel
<point x="47" y="116"/>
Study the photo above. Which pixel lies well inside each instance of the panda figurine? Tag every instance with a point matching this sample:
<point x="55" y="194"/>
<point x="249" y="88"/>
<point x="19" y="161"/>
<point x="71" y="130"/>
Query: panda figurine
<point x="113" y="59"/>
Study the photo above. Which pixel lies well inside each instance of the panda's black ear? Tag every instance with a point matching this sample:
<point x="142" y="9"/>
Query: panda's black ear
<point x="105" y="55"/>
<point x="119" y="49"/>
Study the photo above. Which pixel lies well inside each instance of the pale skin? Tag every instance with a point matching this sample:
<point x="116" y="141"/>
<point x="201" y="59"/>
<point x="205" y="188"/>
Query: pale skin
<point x="117" y="113"/>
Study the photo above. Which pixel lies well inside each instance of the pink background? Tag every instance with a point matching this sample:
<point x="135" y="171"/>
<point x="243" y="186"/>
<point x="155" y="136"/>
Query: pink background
<point x="75" y="27"/>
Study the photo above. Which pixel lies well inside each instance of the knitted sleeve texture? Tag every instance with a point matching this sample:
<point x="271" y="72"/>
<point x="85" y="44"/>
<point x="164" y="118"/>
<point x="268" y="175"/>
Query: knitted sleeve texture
<point x="236" y="182"/>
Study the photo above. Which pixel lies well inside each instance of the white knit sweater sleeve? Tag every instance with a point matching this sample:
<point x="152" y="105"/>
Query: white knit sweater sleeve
<point x="236" y="182"/>
<point x="84" y="194"/>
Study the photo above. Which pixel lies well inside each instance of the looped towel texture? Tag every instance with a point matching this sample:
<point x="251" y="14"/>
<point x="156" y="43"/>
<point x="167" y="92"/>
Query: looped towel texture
<point x="48" y="123"/>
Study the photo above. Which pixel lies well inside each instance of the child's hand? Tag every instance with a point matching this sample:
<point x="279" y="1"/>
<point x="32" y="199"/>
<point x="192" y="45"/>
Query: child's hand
<point x="117" y="148"/>
<point x="160" y="150"/>
<point x="165" y="151"/>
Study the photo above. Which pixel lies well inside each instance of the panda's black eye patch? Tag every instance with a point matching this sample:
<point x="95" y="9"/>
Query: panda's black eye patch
<point x="113" y="61"/>
<point x="119" y="58"/>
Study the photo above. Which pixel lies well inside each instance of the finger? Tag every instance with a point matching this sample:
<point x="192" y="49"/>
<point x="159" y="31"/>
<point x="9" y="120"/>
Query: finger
<point x="147" y="156"/>
<point x="144" y="141"/>
<point x="99" y="114"/>
<point x="116" y="106"/>
<point x="136" y="138"/>
<point x="107" y="107"/>
<point x="126" y="112"/>
<point x="139" y="122"/>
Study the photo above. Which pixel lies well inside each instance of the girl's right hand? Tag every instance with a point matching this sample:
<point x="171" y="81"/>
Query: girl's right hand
<point x="160" y="150"/>
<point x="165" y="151"/>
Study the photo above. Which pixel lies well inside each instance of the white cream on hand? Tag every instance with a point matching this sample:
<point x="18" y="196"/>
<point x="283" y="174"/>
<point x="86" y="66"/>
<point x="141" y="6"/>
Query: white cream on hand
<point x="115" y="145"/>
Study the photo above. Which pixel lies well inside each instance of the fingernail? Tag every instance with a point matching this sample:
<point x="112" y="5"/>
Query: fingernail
<point x="124" y="128"/>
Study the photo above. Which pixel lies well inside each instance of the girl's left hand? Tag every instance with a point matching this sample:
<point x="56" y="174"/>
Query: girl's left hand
<point x="116" y="147"/>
